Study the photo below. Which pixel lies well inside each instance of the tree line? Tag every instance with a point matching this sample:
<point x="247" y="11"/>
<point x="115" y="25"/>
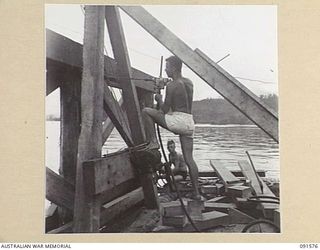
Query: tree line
<point x="218" y="111"/>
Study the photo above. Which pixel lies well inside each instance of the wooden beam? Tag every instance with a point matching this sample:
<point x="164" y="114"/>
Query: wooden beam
<point x="236" y="173"/>
<point x="58" y="190"/>
<point x="55" y="76"/>
<point x="64" y="55"/>
<point x="239" y="191"/>
<point x="224" y="174"/>
<point x="255" y="181"/>
<point x="105" y="173"/>
<point x="120" y="190"/>
<point x="215" y="205"/>
<point x="213" y="74"/>
<point x="117" y="116"/>
<point x="108" y="126"/>
<point x="129" y="94"/>
<point x="209" y="220"/>
<point x="70" y="94"/>
<point x="110" y="210"/>
<point x="67" y="228"/>
<point x="238" y="217"/>
<point x="87" y="208"/>
<point x="52" y="217"/>
<point x="118" y="206"/>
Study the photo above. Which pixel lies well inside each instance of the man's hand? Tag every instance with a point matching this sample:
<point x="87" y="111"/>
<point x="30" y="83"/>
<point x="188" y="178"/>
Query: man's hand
<point x="158" y="98"/>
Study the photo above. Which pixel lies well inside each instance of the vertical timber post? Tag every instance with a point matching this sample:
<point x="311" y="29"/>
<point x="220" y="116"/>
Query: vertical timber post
<point x="130" y="97"/>
<point x="87" y="208"/>
<point x="69" y="133"/>
<point x="70" y="127"/>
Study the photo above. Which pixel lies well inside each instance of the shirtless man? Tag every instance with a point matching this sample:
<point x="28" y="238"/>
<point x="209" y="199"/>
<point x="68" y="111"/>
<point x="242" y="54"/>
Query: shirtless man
<point x="178" y="100"/>
<point x="175" y="158"/>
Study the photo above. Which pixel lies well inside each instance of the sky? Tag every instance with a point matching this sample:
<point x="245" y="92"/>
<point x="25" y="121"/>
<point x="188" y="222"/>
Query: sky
<point x="247" y="32"/>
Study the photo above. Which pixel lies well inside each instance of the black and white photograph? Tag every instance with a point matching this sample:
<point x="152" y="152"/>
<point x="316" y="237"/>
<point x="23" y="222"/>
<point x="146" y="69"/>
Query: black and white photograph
<point x="161" y="119"/>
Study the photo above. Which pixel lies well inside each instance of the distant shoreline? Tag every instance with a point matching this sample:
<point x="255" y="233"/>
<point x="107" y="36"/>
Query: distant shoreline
<point x="197" y="124"/>
<point x="224" y="125"/>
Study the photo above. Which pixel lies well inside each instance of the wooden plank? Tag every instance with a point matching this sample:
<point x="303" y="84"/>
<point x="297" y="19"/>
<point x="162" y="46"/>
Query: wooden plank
<point x="52" y="217"/>
<point x="236" y="173"/>
<point x="118" y="118"/>
<point x="175" y="221"/>
<point x="243" y="99"/>
<point x="108" y="126"/>
<point x="111" y="210"/>
<point x="129" y="94"/>
<point x="87" y="208"/>
<point x="115" y="208"/>
<point x="120" y="190"/>
<point x="58" y="190"/>
<point x="70" y="94"/>
<point x="218" y="205"/>
<point x="64" y="55"/>
<point x="224" y="174"/>
<point x="209" y="189"/>
<point x="105" y="173"/>
<point x="67" y="228"/>
<point x="255" y="181"/>
<point x="220" y="199"/>
<point x="238" y="217"/>
<point x="172" y="208"/>
<point x="209" y="220"/>
<point x="249" y="173"/>
<point x="231" y="89"/>
<point x="195" y="208"/>
<point x="239" y="191"/>
<point x="55" y="75"/>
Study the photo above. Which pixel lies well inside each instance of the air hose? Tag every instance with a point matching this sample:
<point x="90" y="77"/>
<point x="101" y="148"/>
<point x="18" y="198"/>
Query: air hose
<point x="174" y="182"/>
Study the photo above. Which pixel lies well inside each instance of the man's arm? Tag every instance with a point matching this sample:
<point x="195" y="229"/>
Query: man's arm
<point x="166" y="105"/>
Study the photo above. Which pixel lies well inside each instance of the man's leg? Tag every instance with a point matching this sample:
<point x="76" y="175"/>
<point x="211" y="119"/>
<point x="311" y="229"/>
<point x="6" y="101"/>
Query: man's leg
<point x="150" y="117"/>
<point x="187" y="150"/>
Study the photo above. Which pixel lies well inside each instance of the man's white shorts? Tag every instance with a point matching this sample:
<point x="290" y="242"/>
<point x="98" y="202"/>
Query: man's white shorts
<point x="180" y="123"/>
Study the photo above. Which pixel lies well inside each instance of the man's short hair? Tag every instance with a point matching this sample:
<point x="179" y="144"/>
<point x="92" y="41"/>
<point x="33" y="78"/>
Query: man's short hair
<point x="175" y="62"/>
<point x="170" y="142"/>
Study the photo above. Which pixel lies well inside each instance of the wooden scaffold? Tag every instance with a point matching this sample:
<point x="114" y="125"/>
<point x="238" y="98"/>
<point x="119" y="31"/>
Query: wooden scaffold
<point x="91" y="190"/>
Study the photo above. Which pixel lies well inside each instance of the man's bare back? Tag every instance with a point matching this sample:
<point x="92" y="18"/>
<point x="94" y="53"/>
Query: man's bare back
<point x="179" y="94"/>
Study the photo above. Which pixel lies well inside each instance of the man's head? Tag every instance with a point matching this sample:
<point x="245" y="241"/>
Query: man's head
<point x="171" y="146"/>
<point x="173" y="65"/>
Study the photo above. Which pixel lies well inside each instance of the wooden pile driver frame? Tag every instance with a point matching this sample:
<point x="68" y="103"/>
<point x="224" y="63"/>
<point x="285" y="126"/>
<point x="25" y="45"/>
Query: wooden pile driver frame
<point x="83" y="74"/>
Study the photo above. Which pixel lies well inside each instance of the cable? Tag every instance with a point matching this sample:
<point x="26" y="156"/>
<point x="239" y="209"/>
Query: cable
<point x="174" y="182"/>
<point x="254" y="80"/>
<point x="258" y="222"/>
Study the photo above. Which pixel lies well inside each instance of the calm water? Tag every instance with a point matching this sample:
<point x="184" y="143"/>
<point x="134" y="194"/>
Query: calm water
<point x="226" y="143"/>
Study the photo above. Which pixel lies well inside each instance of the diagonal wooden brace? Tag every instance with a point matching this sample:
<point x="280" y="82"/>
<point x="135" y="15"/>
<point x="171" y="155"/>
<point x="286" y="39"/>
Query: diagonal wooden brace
<point x="226" y="85"/>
